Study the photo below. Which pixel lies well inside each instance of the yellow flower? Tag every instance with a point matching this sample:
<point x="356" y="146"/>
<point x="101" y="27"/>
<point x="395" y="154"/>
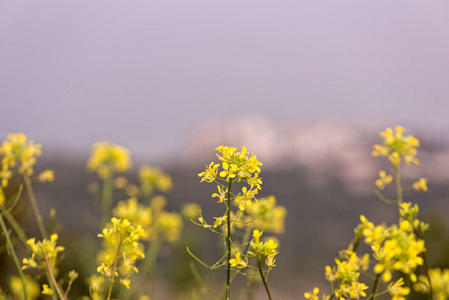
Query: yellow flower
<point x="383" y="180"/>
<point x="312" y="295"/>
<point x="47" y="176"/>
<point x="397" y="147"/>
<point x="18" y="149"/>
<point x="46" y="290"/>
<point x="107" y="158"/>
<point x="237" y="262"/>
<point x="420" y="185"/>
<point x="210" y="173"/>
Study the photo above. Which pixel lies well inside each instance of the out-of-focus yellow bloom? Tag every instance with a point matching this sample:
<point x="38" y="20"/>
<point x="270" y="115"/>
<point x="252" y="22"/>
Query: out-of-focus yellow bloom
<point x="420" y="185"/>
<point x="170" y="225"/>
<point x="120" y="182"/>
<point x="136" y="213"/>
<point x="31" y="285"/>
<point x="2" y="196"/>
<point x="397" y="291"/>
<point x="383" y="180"/>
<point x="190" y="210"/>
<point x="154" y="179"/>
<point x="47" y="176"/>
<point x="265" y="213"/>
<point x="132" y="190"/>
<point x="46" y="290"/>
<point x="440" y="283"/>
<point x="18" y="149"/>
<point x="107" y="159"/>
<point x="397" y="147"/>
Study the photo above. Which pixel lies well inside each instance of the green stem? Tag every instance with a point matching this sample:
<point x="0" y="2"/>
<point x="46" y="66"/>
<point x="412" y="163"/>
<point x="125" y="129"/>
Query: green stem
<point x="426" y="266"/>
<point x="5" y="212"/>
<point x="106" y="205"/>
<point x="34" y="206"/>
<point x="397" y="179"/>
<point x="228" y="277"/>
<point x="263" y="279"/>
<point x="53" y="279"/>
<point x="113" y="270"/>
<point x="14" y="256"/>
<point x="151" y="256"/>
<point x="374" y="289"/>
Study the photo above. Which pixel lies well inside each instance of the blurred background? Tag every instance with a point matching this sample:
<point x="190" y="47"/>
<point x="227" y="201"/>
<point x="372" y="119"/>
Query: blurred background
<point x="306" y="85"/>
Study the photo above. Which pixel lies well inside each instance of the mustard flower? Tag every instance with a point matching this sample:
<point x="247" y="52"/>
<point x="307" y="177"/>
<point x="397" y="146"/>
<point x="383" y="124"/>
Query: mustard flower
<point x="107" y="159"/>
<point x="265" y="213"/>
<point x="238" y="262"/>
<point x="313" y="295"/>
<point x="397" y="147"/>
<point x="45" y="251"/>
<point x="383" y="180"/>
<point x="210" y="173"/>
<point x="32" y="288"/>
<point x="420" y="185"/>
<point x="46" y="290"/>
<point x="152" y="179"/>
<point x="121" y="250"/>
<point x="440" y="283"/>
<point x="397" y="291"/>
<point x="47" y="176"/>
<point x="18" y="149"/>
<point x="170" y="225"/>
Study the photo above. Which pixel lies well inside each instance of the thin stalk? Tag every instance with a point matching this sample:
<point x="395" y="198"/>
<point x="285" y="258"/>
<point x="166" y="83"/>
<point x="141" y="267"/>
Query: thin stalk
<point x="113" y="270"/>
<point x="52" y="285"/>
<point x="53" y="279"/>
<point x="397" y="179"/>
<point x="106" y="204"/>
<point x="5" y="212"/>
<point x="426" y="266"/>
<point x="14" y="256"/>
<point x="263" y="279"/>
<point x="228" y="277"/>
<point x="151" y="256"/>
<point x="374" y="289"/>
<point x="34" y="206"/>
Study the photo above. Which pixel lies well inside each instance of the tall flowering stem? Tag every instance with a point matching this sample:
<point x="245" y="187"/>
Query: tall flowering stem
<point x="34" y="206"/>
<point x="228" y="276"/>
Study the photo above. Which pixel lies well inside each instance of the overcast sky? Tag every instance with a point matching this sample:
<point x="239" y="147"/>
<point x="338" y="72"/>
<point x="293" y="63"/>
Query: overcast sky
<point x="140" y="73"/>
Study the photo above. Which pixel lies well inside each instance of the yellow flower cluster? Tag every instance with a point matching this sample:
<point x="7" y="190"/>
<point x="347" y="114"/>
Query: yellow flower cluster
<point x="347" y="274"/>
<point x="46" y="251"/>
<point x="383" y="180"/>
<point x="440" y="283"/>
<point x="397" y="147"/>
<point x="122" y="249"/>
<point x="152" y="179"/>
<point x="263" y="250"/>
<point x="397" y="291"/>
<point x="106" y="159"/>
<point x="47" y="176"/>
<point x="236" y="166"/>
<point x="395" y="248"/>
<point x="265" y="213"/>
<point x="18" y="149"/>
<point x="155" y="222"/>
<point x="32" y="288"/>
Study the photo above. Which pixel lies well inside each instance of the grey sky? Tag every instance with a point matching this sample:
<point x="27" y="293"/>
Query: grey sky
<point x="139" y="73"/>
